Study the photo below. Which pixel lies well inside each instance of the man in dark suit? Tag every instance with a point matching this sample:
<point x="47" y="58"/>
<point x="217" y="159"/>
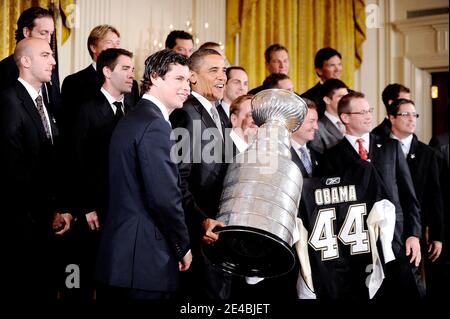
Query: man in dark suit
<point x="28" y="174"/>
<point x="93" y="128"/>
<point x="328" y="65"/>
<point x="203" y="167"/>
<point x="145" y="241"/>
<point x="423" y="165"/>
<point x="83" y="85"/>
<point x="390" y="93"/>
<point x="303" y="156"/>
<point x="38" y="23"/>
<point x="331" y="129"/>
<point x="390" y="163"/>
<point x="277" y="61"/>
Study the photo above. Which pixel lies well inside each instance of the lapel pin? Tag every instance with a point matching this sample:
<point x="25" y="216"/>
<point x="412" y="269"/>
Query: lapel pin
<point x="378" y="145"/>
<point x="413" y="155"/>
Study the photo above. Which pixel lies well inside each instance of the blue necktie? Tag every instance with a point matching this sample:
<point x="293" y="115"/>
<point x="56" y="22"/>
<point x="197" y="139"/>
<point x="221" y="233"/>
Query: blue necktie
<point x="305" y="160"/>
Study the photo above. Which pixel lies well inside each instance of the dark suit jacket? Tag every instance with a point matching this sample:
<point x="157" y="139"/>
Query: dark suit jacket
<point x="28" y="193"/>
<point x="314" y="160"/>
<point x="383" y="129"/>
<point x="50" y="91"/>
<point x="201" y="178"/>
<point x="92" y="132"/>
<point x="144" y="235"/>
<point x="423" y="165"/>
<point x="79" y="87"/>
<point x="390" y="163"/>
<point x="315" y="95"/>
<point x="28" y="160"/>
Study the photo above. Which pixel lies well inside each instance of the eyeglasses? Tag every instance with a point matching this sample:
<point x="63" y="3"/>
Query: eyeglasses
<point x="363" y="112"/>
<point x="408" y="114"/>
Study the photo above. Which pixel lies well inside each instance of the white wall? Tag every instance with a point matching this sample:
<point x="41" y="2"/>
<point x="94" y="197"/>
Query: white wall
<point x="143" y="24"/>
<point x="404" y="51"/>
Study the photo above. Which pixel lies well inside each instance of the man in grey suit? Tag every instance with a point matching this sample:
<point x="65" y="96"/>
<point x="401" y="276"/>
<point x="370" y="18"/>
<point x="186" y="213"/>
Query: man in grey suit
<point x="145" y="242"/>
<point x="331" y="129"/>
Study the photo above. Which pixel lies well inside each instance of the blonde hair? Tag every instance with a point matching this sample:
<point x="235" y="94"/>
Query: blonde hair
<point x="98" y="33"/>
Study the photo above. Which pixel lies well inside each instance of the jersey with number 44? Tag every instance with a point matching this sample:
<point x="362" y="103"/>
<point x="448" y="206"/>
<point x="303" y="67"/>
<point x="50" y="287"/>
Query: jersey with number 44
<point x="346" y="225"/>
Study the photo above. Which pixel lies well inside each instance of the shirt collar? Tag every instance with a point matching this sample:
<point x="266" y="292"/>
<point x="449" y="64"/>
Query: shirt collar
<point x="352" y="139"/>
<point x="226" y="107"/>
<point x="30" y="89"/>
<point x="109" y="97"/>
<point x="206" y="104"/>
<point x="405" y="143"/>
<point x="159" y="104"/>
<point x="332" y="118"/>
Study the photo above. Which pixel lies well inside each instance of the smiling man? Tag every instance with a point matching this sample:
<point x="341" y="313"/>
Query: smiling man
<point x="390" y="163"/>
<point x="424" y="169"/>
<point x="145" y="242"/>
<point x="203" y="167"/>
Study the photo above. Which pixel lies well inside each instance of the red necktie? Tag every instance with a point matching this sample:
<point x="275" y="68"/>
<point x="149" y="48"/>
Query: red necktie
<point x="361" y="150"/>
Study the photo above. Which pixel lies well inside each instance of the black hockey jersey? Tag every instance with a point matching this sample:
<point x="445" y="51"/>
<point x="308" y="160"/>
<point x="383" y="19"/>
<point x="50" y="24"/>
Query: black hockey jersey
<point x="338" y="240"/>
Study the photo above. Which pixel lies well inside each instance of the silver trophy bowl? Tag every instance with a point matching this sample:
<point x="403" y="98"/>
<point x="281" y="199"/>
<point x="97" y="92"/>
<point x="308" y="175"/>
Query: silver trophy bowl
<point x="261" y="194"/>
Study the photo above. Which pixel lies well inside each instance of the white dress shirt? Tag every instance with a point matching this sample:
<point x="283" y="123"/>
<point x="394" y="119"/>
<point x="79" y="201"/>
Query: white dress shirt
<point x="352" y="139"/>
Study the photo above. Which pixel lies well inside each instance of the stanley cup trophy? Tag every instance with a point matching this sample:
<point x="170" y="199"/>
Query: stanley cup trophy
<point x="262" y="188"/>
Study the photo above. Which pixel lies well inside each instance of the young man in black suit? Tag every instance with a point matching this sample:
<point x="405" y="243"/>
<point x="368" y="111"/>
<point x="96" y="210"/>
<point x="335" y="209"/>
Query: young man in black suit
<point x="83" y="85"/>
<point x="424" y="168"/>
<point x="328" y="65"/>
<point x="387" y="158"/>
<point x="390" y="93"/>
<point x="38" y="23"/>
<point x="145" y="241"/>
<point x="92" y="132"/>
<point x="203" y="167"/>
<point x="29" y="175"/>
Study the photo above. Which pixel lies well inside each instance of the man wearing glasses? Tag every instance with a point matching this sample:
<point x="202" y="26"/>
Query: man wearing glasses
<point x="402" y="276"/>
<point x="423" y="166"/>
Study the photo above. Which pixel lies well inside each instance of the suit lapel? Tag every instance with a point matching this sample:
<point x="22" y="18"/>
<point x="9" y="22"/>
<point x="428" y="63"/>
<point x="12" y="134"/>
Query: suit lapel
<point x="376" y="144"/>
<point x="412" y="158"/>
<point x="331" y="128"/>
<point x="296" y="159"/>
<point x="31" y="109"/>
<point x="204" y="115"/>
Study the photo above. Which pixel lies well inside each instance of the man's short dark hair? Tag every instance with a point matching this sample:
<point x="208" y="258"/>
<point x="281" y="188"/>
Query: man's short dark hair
<point x="391" y="92"/>
<point x="309" y="103"/>
<point x="395" y="106"/>
<point x="331" y="85"/>
<point x="235" y="106"/>
<point x="108" y="58"/>
<point x="26" y="20"/>
<point x="159" y="63"/>
<point x="231" y="68"/>
<point x="344" y="102"/>
<point x="323" y="55"/>
<point x="196" y="59"/>
<point x="273" y="48"/>
<point x="272" y="80"/>
<point x="172" y="37"/>
<point x="209" y="45"/>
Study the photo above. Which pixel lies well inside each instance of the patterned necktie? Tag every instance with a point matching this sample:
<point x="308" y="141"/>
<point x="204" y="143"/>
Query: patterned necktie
<point x="119" y="112"/>
<point x="361" y="150"/>
<point x="40" y="108"/>
<point x="305" y="160"/>
<point x="216" y="118"/>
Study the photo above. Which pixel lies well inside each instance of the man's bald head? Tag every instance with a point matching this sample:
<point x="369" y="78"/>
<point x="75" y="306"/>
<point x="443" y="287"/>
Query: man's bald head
<point x="25" y="48"/>
<point x="34" y="60"/>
